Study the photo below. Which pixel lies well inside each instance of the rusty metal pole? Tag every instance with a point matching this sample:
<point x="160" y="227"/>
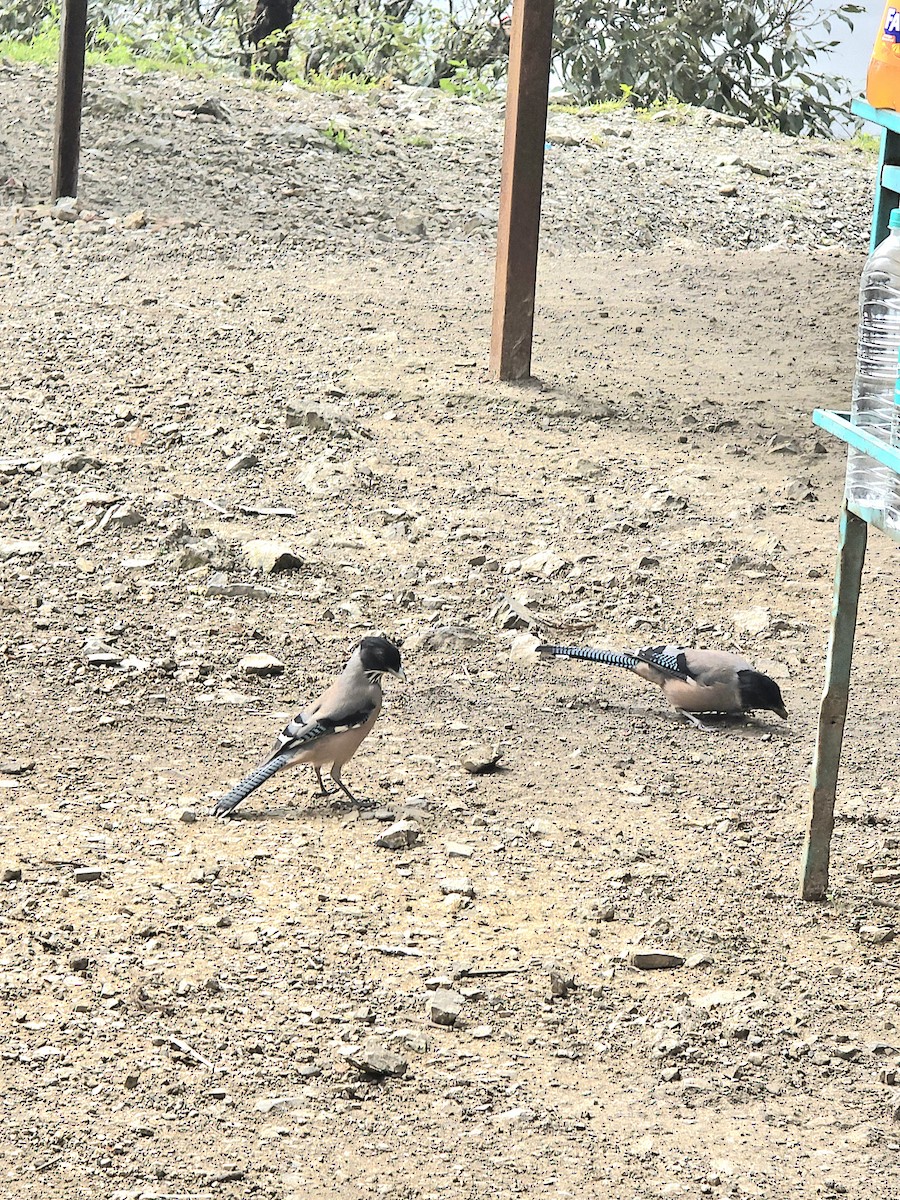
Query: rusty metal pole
<point x="69" y="89"/>
<point x="522" y="176"/>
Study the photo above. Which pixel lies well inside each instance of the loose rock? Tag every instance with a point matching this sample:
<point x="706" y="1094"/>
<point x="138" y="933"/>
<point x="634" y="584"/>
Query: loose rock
<point x="88" y="874"/>
<point x="399" y="836"/>
<point x="269" y="557"/>
<point x="378" y="1061"/>
<point x="261" y="664"/>
<point x="444" y="1006"/>
<point x="654" y="960"/>
<point x="457" y="887"/>
<point x="481" y="759"/>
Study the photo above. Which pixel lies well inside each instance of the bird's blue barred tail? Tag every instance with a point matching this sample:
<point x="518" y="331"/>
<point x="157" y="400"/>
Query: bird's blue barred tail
<point x="249" y="784"/>
<point x="612" y="658"/>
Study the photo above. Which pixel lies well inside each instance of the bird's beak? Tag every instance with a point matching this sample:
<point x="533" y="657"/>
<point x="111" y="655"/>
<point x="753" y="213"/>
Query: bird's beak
<point x="401" y="675"/>
<point x="780" y="712"/>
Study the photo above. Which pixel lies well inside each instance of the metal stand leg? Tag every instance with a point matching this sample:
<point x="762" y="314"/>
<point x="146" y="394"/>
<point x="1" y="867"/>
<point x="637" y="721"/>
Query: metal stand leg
<point x="69" y="90"/>
<point x="519" y="224"/>
<point x="833" y="711"/>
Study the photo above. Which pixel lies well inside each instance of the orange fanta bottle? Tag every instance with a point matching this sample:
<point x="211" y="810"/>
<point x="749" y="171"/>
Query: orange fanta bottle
<point x="883" y="79"/>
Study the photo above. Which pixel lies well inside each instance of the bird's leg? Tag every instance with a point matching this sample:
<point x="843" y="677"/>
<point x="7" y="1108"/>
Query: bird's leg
<point x="344" y="789"/>
<point x="323" y="790"/>
<point x="695" y="720"/>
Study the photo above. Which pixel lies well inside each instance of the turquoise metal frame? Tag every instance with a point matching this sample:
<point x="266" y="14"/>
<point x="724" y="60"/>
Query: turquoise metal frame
<point x="853" y="534"/>
<point x="838" y="423"/>
<point x="887" y="183"/>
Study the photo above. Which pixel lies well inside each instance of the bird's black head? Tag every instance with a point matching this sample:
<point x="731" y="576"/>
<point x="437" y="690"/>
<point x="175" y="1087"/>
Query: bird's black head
<point x="380" y="657"/>
<point x="759" y="691"/>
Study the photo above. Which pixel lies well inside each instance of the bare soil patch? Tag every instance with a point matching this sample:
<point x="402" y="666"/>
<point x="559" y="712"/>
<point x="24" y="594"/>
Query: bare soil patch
<point x="180" y="1026"/>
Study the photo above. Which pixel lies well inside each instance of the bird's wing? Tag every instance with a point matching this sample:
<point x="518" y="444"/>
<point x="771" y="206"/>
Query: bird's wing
<point x="712" y="667"/>
<point x="300" y="734"/>
<point x="671" y="662"/>
<point x="345" y="705"/>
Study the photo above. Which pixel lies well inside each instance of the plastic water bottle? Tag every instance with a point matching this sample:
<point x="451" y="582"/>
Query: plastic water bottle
<point x="892" y="503"/>
<point x="878" y="351"/>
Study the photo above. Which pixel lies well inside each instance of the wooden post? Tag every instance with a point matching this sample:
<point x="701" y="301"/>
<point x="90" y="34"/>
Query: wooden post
<point x="69" y="89"/>
<point x="521" y="180"/>
<point x="833" y="710"/>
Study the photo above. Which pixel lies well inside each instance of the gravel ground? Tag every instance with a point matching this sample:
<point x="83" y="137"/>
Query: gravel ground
<point x="247" y="334"/>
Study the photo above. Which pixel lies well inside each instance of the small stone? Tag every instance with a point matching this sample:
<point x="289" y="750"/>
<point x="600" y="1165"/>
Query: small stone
<point x="751" y="621"/>
<point x="70" y="460"/>
<point x="545" y="563"/>
<point x="443" y="637"/>
<point x="459" y="886"/>
<point x="11" y="874"/>
<point x="218" y="585"/>
<point x="721" y="997"/>
<point x="268" y="556"/>
<point x="482" y="1031"/>
<point x="261" y="664"/>
<point x="889" y="1075"/>
<point x="242" y="462"/>
<point x="698" y="959"/>
<point x="562" y="982"/>
<point x="605" y="912"/>
<point x="123" y="516"/>
<point x="19" y="549"/>
<point x="399" y="836"/>
<point x="279" y="1103"/>
<point x="481" y="759"/>
<point x="511" y="614"/>
<point x="79" y="962"/>
<point x="877" y="935"/>
<point x="654" y="960"/>
<point x="782" y="443"/>
<point x="378" y="1062"/>
<point x="412" y="1039"/>
<point x="433" y="982"/>
<point x="515" y="1116"/>
<point x="847" y="1053"/>
<point x="16" y="766"/>
<point x="188" y="816"/>
<point x="541" y="827"/>
<point x="65" y="209"/>
<point x="131" y="1080"/>
<point x="411" y="222"/>
<point x="98" y="654"/>
<point x="886" y="875"/>
<point x="443" y="1006"/>
<point x="318" y="416"/>
<point x="200" y="552"/>
<point x="524" y="649"/>
<point x="456" y="850"/>
<point x="135" y="220"/>
<point x="88" y="874"/>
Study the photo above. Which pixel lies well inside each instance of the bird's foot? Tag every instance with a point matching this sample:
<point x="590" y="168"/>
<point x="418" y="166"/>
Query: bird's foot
<point x="695" y="720"/>
<point x="341" y="804"/>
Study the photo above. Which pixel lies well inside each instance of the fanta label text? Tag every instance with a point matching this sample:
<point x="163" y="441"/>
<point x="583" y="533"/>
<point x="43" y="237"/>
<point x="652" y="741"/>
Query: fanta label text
<point x="892" y="25"/>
